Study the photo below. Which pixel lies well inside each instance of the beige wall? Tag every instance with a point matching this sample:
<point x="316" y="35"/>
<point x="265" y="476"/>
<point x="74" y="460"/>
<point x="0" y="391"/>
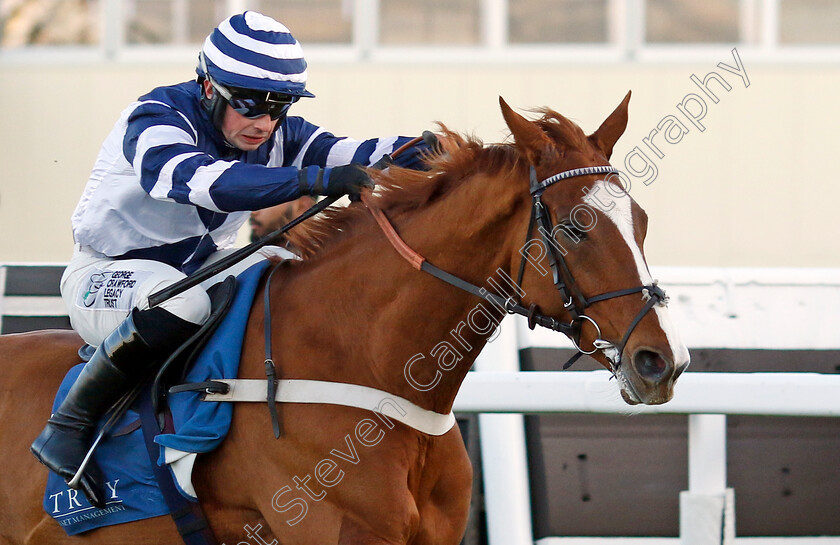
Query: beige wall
<point x="755" y="188"/>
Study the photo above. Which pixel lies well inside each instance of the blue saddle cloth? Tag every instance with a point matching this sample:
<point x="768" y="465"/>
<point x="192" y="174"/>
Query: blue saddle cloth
<point x="132" y="492"/>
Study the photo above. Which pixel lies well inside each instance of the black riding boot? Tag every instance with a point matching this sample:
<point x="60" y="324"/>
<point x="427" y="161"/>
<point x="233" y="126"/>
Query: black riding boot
<point x="123" y="358"/>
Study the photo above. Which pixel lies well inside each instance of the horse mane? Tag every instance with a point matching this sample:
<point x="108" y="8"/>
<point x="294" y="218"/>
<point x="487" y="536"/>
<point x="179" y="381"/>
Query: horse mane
<point x="401" y="190"/>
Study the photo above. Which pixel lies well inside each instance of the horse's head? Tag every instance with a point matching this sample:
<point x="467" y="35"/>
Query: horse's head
<point x="584" y="261"/>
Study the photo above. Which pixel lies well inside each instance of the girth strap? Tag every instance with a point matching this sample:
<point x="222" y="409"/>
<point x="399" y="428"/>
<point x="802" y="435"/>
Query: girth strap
<point x="271" y="373"/>
<point x="188" y="516"/>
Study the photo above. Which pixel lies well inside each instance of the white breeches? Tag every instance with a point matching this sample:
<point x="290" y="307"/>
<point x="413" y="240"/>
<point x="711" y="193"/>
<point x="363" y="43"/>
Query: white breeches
<point x="99" y="292"/>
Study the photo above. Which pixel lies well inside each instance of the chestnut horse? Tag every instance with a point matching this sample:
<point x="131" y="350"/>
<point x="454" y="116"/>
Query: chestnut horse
<point x="354" y="311"/>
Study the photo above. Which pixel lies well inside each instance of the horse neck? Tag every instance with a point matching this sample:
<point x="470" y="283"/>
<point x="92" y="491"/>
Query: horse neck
<point x="404" y="331"/>
<point x="430" y="334"/>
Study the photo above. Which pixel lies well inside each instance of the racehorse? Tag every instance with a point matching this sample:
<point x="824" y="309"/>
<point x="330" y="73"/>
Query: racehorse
<point x="354" y="311"/>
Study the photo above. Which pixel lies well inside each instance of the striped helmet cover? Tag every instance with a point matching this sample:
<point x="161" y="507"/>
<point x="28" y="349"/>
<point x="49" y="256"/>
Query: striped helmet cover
<point x="253" y="51"/>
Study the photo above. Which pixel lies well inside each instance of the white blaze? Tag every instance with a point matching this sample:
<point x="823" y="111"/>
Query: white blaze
<point x="621" y="215"/>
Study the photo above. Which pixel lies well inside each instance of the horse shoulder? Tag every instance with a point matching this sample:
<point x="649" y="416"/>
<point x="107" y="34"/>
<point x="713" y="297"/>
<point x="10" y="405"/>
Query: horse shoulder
<point x="37" y="361"/>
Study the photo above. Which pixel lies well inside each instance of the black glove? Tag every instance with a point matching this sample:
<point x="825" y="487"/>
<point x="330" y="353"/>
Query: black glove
<point x="383" y="163"/>
<point x="335" y="181"/>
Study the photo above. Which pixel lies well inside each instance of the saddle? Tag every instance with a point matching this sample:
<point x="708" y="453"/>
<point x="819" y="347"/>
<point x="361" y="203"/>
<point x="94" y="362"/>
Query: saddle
<point x="174" y="370"/>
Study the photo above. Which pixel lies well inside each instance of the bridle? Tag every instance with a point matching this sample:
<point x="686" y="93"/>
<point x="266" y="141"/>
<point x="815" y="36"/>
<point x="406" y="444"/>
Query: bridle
<point x="575" y="302"/>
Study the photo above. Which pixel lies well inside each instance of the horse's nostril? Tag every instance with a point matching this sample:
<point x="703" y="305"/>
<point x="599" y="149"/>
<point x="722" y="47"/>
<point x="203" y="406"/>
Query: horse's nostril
<point x="649" y="364"/>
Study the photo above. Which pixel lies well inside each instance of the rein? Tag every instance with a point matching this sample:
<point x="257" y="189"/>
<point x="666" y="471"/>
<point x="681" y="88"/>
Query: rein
<point x="575" y="302"/>
<point x="228" y="261"/>
<point x="417" y="261"/>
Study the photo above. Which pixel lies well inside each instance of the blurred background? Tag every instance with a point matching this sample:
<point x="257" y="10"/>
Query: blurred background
<point x="730" y="149"/>
<point x="752" y="189"/>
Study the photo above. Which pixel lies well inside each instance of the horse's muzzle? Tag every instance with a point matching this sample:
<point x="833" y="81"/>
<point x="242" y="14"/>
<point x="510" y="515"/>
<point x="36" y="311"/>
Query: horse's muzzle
<point x="652" y="377"/>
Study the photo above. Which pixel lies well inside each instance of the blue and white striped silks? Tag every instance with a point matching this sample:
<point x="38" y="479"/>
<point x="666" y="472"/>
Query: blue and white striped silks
<point x="166" y="186"/>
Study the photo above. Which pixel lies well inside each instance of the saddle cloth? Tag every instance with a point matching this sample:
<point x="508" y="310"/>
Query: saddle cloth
<point x="132" y="491"/>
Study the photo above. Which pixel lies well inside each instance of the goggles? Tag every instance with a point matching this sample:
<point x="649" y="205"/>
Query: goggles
<point x="254" y="104"/>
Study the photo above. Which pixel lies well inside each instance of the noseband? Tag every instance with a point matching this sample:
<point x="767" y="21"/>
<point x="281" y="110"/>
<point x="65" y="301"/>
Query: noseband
<point x="575" y="302"/>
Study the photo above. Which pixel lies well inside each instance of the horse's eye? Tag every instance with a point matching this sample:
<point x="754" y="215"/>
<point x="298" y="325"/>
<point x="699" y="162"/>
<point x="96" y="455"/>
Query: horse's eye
<point x="571" y="231"/>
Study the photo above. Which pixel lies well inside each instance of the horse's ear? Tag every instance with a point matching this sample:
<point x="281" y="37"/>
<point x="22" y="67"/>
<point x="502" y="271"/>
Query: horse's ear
<point x="529" y="138"/>
<point x="611" y="129"/>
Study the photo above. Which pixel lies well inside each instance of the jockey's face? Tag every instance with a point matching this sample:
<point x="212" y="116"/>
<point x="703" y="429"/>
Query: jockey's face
<point x="243" y="132"/>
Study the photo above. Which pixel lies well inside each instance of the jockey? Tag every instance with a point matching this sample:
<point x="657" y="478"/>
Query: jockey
<point x="174" y="181"/>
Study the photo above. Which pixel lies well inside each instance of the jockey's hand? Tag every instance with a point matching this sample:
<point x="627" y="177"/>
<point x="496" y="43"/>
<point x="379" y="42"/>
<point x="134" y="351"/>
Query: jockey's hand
<point x="432" y="141"/>
<point x="334" y="182"/>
